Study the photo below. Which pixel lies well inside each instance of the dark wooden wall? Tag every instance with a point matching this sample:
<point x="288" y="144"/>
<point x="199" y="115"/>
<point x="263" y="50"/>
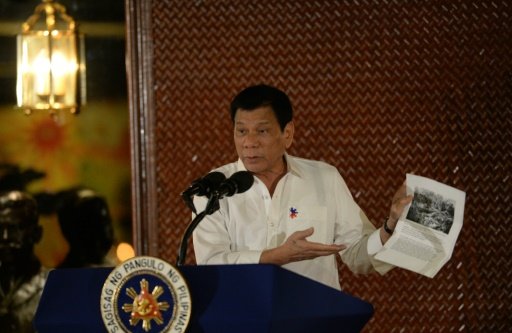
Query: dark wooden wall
<point x="380" y="88"/>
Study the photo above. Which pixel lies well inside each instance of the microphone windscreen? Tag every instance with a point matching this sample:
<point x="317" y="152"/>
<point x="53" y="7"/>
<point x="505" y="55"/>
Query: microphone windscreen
<point x="210" y="182"/>
<point x="214" y="177"/>
<point x="243" y="180"/>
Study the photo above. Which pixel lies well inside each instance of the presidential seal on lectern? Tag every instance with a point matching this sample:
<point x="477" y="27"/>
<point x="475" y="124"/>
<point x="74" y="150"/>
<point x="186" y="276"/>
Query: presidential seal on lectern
<point x="145" y="294"/>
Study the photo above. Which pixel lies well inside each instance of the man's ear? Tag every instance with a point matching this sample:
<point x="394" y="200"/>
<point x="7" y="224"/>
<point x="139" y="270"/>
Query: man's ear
<point x="288" y="132"/>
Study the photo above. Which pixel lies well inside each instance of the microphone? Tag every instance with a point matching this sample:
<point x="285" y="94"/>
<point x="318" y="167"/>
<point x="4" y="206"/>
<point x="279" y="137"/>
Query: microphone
<point x="239" y="182"/>
<point x="215" y="187"/>
<point x="202" y="187"/>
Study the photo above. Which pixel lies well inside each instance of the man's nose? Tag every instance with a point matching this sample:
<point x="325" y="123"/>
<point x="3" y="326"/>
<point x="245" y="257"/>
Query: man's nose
<point x="251" y="140"/>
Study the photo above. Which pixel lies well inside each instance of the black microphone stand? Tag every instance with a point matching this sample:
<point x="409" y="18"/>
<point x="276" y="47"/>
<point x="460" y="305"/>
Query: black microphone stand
<point x="211" y="207"/>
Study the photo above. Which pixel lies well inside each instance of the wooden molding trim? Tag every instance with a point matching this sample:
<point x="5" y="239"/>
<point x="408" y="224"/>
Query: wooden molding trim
<point x="139" y="46"/>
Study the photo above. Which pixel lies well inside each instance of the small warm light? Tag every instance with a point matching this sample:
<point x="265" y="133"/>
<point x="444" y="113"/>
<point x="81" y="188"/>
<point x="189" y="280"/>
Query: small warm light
<point x="124" y="252"/>
<point x="51" y="72"/>
<point x="40" y="69"/>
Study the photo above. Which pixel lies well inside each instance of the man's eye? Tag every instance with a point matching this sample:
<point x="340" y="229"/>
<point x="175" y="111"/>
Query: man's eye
<point x="263" y="131"/>
<point x="241" y="131"/>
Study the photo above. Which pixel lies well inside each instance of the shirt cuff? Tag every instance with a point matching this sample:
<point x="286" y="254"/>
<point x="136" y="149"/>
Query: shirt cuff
<point x="374" y="243"/>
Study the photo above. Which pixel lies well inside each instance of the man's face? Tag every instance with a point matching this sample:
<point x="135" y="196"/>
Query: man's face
<point x="11" y="239"/>
<point x="16" y="234"/>
<point x="11" y="235"/>
<point x="259" y="141"/>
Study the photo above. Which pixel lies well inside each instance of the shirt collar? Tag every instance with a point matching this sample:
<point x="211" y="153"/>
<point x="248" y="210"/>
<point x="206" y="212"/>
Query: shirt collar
<point x="240" y="165"/>
<point x="292" y="166"/>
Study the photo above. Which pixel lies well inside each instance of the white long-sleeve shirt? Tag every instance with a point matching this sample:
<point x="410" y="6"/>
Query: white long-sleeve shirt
<point x="311" y="194"/>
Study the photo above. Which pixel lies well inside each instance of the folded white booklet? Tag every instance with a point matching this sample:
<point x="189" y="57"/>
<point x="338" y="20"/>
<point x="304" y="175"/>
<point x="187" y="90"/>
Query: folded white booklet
<point x="426" y="233"/>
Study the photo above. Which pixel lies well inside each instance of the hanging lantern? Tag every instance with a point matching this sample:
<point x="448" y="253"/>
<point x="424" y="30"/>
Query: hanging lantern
<point x="51" y="71"/>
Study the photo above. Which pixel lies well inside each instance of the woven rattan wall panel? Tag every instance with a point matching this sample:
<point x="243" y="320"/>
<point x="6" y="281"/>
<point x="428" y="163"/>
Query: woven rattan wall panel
<point x="380" y="88"/>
